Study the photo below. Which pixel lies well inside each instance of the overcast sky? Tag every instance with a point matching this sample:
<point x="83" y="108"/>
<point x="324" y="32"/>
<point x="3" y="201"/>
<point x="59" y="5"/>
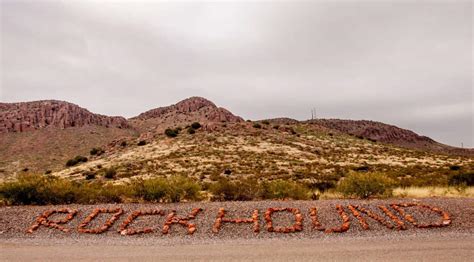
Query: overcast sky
<point x="407" y="63"/>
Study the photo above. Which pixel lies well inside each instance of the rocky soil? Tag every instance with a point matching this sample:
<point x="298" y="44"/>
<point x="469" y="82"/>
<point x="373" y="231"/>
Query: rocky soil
<point x="16" y="220"/>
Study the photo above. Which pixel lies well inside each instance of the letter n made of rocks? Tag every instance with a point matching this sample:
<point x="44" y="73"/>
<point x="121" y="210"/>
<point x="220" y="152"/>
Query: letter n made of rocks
<point x="445" y="218"/>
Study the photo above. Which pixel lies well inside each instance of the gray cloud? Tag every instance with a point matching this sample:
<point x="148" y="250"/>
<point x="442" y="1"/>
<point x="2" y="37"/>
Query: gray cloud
<point x="407" y="63"/>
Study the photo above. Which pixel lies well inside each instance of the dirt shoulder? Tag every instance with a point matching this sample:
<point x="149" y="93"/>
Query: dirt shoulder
<point x="415" y="248"/>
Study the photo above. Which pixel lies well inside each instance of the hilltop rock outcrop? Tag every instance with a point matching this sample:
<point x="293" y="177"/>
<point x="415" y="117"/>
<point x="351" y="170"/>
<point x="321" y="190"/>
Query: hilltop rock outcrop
<point x="26" y="116"/>
<point x="199" y="107"/>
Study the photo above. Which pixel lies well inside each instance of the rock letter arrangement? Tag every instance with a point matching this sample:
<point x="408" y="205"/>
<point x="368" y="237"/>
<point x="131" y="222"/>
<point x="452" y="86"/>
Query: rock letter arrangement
<point x="117" y="212"/>
<point x="297" y="226"/>
<point x="43" y="220"/>
<point x="221" y="219"/>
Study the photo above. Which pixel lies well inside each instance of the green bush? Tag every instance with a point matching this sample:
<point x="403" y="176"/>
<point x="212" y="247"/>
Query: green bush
<point x="196" y="125"/>
<point x="76" y="160"/>
<point x="365" y="185"/>
<point x="150" y="189"/>
<point x="38" y="190"/>
<point x="454" y="168"/>
<point x="110" y="173"/>
<point x="191" y="130"/>
<point x="257" y="125"/>
<point x="281" y="189"/>
<point x="242" y="190"/>
<point x="96" y="151"/>
<point x="33" y="189"/>
<point x="466" y="179"/>
<point x="89" y="175"/>
<point x="174" y="189"/>
<point x="171" y="132"/>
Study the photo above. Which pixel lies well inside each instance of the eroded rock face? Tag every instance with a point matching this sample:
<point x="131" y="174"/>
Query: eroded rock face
<point x="373" y="130"/>
<point x="193" y="105"/>
<point x="26" y="116"/>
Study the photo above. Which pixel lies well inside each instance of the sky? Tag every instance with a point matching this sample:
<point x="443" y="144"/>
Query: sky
<point x="407" y="63"/>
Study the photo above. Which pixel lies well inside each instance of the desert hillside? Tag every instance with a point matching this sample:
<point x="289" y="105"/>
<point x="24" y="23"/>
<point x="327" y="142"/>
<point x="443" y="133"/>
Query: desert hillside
<point x="40" y="137"/>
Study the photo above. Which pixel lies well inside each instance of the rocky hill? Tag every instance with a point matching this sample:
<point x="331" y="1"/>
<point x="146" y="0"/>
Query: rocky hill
<point x="28" y="116"/>
<point x="193" y="106"/>
<point x="389" y="134"/>
<point x="193" y="109"/>
<point x="42" y="135"/>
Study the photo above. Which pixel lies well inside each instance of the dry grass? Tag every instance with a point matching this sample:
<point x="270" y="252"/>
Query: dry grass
<point x="420" y="192"/>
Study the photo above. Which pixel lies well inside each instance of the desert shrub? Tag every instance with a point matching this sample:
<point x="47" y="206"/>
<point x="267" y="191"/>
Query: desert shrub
<point x="25" y="169"/>
<point x="150" y="189"/>
<point x="89" y="175"/>
<point x="454" y="167"/>
<point x="466" y="179"/>
<point x="191" y="130"/>
<point x="265" y="122"/>
<point x="196" y="125"/>
<point x="141" y="143"/>
<point x="96" y="151"/>
<point x="97" y="192"/>
<point x="39" y="190"/>
<point x="110" y="173"/>
<point x="123" y="144"/>
<point x="174" y="189"/>
<point x="257" y="125"/>
<point x="242" y="190"/>
<point x="276" y="126"/>
<point x="322" y="186"/>
<point x="76" y="160"/>
<point x="364" y="185"/>
<point x="42" y="190"/>
<point x="282" y="189"/>
<point x="182" y="188"/>
<point x="171" y="132"/>
<point x="361" y="168"/>
<point x="47" y="172"/>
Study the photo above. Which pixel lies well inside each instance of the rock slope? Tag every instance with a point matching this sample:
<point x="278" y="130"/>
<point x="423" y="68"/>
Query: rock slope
<point x="27" y="116"/>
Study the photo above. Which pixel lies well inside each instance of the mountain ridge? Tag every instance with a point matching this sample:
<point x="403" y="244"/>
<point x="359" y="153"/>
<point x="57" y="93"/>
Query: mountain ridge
<point x="34" y="115"/>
